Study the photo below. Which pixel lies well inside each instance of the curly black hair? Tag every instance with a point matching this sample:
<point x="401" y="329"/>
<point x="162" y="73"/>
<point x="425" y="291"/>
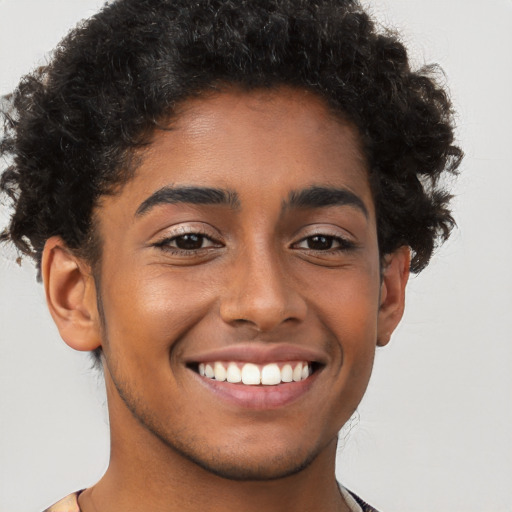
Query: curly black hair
<point x="74" y="124"/>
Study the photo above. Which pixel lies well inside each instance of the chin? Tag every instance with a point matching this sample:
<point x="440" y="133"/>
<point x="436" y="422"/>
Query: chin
<point x="244" y="468"/>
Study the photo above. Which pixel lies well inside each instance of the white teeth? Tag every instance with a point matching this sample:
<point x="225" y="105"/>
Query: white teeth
<point x="287" y="373"/>
<point x="297" y="373"/>
<point x="270" y="375"/>
<point x="233" y="375"/>
<point x="253" y="375"/>
<point x="208" y="371"/>
<point x="220" y="372"/>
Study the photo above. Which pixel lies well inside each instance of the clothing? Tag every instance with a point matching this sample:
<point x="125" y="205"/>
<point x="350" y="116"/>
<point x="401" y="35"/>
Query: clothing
<point x="67" y="504"/>
<point x="70" y="503"/>
<point x="354" y="502"/>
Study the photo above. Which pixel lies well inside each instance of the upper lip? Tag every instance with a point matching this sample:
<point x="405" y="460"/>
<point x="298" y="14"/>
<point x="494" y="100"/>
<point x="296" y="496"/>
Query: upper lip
<point x="258" y="353"/>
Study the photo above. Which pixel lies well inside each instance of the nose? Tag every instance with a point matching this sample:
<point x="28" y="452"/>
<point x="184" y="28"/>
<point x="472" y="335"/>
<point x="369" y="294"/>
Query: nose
<point x="261" y="294"/>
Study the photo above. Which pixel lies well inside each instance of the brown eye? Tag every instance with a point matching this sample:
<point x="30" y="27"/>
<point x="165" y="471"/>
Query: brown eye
<point x="189" y="242"/>
<point x="324" y="243"/>
<point x="320" y="242"/>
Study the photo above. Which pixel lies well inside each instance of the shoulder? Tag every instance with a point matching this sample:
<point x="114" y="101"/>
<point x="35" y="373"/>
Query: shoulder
<point x="67" y="504"/>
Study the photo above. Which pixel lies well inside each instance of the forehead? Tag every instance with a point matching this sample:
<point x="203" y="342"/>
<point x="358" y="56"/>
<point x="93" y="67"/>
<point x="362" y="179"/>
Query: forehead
<point x="249" y="142"/>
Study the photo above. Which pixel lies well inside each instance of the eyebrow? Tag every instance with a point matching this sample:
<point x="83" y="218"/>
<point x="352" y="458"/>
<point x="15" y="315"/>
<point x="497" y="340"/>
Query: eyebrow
<point x="320" y="197"/>
<point x="192" y="195"/>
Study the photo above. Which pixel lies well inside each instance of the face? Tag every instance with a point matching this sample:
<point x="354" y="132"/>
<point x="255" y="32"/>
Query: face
<point x="245" y="247"/>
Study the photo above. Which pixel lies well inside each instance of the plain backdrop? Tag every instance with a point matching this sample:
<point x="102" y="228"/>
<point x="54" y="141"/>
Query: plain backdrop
<point x="434" y="432"/>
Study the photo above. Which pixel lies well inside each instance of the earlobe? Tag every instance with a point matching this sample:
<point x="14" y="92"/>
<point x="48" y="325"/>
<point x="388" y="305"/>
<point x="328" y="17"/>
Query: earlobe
<point x="392" y="300"/>
<point x="71" y="296"/>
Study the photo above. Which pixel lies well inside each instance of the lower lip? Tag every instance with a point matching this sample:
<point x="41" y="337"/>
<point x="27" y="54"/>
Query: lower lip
<point x="259" y="397"/>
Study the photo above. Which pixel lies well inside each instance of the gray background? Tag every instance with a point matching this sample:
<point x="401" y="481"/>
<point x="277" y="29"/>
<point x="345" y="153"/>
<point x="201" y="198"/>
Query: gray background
<point x="434" y="430"/>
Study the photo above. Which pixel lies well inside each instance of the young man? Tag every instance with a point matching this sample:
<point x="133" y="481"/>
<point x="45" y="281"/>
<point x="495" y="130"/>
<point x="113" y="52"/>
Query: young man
<point x="224" y="200"/>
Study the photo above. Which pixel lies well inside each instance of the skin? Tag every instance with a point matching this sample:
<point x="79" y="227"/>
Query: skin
<point x="256" y="277"/>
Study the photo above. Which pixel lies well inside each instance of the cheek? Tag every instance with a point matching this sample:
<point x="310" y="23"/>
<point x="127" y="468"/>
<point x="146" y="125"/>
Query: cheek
<point x="347" y="304"/>
<point x="152" y="310"/>
<point x="346" y="301"/>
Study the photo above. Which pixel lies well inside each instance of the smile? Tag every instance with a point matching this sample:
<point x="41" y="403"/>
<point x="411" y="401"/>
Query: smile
<point x="251" y="374"/>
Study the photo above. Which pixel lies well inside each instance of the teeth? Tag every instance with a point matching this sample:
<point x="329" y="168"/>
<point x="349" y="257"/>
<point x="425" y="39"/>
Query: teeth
<point x="287" y="373"/>
<point x="233" y="375"/>
<point x="297" y="373"/>
<point x="270" y="375"/>
<point x="253" y="375"/>
<point x="219" y="371"/>
<point x="208" y="371"/>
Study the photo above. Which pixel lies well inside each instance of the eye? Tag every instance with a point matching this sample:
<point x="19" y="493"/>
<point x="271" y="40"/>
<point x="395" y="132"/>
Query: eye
<point x="324" y="243"/>
<point x="320" y="242"/>
<point x="188" y="242"/>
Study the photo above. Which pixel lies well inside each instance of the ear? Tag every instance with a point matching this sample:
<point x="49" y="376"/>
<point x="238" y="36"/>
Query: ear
<point x="392" y="293"/>
<point x="71" y="296"/>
